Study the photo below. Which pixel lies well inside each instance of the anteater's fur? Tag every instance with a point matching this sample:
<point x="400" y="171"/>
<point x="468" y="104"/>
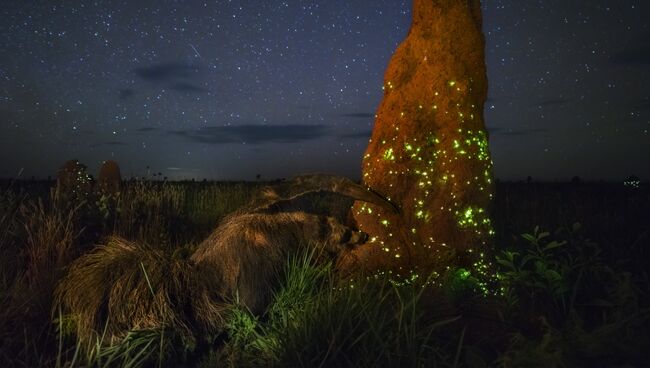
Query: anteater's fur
<point x="250" y="250"/>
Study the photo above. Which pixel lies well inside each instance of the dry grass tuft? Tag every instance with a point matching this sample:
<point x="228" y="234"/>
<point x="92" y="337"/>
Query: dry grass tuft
<point x="41" y="242"/>
<point x="50" y="238"/>
<point x="123" y="286"/>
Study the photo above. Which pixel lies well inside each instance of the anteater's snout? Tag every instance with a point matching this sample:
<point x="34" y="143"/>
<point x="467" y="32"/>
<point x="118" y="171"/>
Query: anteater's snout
<point x="363" y="236"/>
<point x="358" y="237"/>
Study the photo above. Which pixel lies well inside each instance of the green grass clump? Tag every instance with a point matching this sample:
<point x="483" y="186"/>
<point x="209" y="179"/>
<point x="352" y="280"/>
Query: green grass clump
<point x="317" y="320"/>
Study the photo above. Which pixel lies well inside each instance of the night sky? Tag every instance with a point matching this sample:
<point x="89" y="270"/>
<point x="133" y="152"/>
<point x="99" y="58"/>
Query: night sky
<point x="233" y="89"/>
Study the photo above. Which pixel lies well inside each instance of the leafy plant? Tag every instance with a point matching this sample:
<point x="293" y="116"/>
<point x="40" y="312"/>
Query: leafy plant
<point x="540" y="272"/>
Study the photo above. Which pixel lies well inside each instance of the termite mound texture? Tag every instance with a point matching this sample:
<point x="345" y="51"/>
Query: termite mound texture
<point x="429" y="147"/>
<point x="110" y="178"/>
<point x="73" y="180"/>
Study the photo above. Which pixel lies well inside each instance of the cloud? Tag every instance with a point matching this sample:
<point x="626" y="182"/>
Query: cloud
<point x="358" y="115"/>
<point x="255" y="134"/>
<point x="175" y="76"/>
<point x="187" y="87"/>
<point x="364" y="134"/>
<point x="147" y="129"/>
<point x="166" y="72"/>
<point x="509" y="132"/>
<point x="553" y="102"/>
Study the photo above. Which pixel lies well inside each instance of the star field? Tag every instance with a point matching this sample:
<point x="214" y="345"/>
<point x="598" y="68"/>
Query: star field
<point x="232" y="89"/>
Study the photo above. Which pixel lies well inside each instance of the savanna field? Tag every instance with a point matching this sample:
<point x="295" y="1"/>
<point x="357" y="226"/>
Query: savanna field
<point x="428" y="261"/>
<point x="572" y="287"/>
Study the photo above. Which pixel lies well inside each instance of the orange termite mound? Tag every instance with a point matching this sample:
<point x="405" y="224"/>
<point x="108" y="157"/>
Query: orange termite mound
<point x="110" y="178"/>
<point x="429" y="148"/>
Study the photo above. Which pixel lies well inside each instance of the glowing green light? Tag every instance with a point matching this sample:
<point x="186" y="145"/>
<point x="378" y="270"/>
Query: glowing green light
<point x="463" y="274"/>
<point x="389" y="155"/>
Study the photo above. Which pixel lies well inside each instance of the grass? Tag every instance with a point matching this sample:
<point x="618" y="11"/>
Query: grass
<point x="573" y="296"/>
<point x="343" y="326"/>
